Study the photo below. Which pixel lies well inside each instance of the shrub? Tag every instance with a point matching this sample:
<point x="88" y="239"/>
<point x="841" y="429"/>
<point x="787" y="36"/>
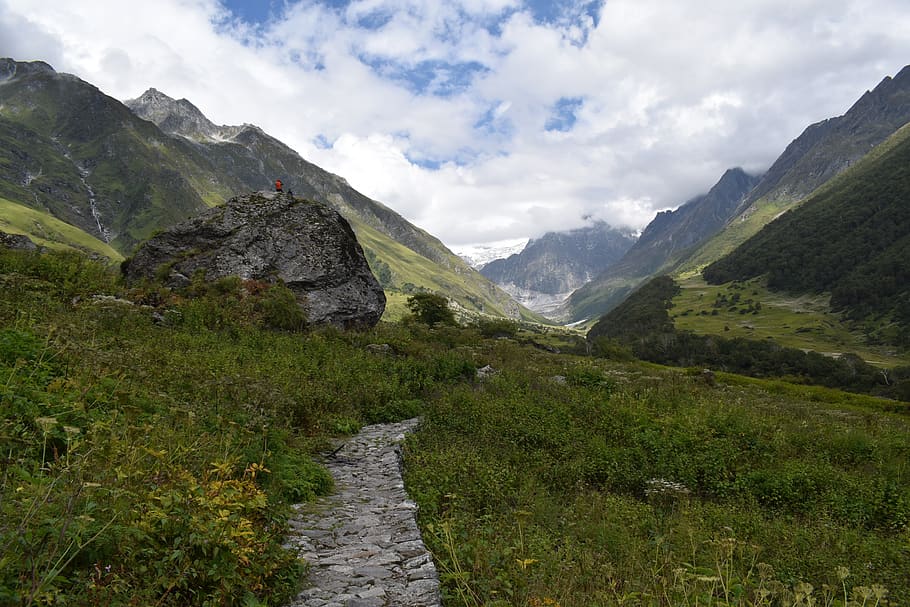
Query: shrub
<point x="431" y="309"/>
<point x="279" y="309"/>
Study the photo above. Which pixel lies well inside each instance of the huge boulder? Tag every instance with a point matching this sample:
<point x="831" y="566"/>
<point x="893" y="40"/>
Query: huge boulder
<point x="271" y="237"/>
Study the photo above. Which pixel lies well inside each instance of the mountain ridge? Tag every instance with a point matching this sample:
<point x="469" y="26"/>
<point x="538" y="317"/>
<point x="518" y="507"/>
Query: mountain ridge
<point x="79" y="155"/>
<point x="669" y="235"/>
<point x="550" y="267"/>
<point x="822" y="151"/>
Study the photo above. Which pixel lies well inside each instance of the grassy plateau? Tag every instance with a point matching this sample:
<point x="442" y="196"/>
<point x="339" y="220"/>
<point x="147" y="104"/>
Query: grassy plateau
<point x="152" y="442"/>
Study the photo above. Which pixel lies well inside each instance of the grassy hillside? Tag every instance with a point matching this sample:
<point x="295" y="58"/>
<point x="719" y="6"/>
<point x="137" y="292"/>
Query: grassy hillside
<point x="151" y="462"/>
<point x="750" y="310"/>
<point x="411" y="271"/>
<point x="851" y="239"/>
<point x="651" y="326"/>
<point x="81" y="156"/>
<point x="765" y="210"/>
<point x="69" y="148"/>
<point x="48" y="231"/>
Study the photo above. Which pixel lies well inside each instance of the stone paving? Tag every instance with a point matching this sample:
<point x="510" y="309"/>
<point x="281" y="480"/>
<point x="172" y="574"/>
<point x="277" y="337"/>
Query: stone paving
<point x="362" y="542"/>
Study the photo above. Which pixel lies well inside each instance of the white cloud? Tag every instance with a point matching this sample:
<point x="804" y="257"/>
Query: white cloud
<point x="671" y="93"/>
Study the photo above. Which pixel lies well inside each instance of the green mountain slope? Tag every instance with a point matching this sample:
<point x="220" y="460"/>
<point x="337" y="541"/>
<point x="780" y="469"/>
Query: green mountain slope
<point x="821" y="152"/>
<point x="78" y="155"/>
<point x="668" y="238"/>
<point x="87" y="160"/>
<point x="852" y="240"/>
<point x="48" y="231"/>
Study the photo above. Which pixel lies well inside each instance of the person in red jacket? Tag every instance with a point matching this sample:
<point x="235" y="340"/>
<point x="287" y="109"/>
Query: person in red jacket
<point x="278" y="185"/>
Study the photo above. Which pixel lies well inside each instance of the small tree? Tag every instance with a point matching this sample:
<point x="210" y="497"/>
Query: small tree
<point x="431" y="309"/>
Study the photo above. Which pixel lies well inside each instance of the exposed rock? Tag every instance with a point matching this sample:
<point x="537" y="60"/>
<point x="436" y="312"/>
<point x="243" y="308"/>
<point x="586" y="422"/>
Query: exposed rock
<point x="707" y="376"/>
<point x="549" y="268"/>
<point x="17" y="241"/>
<point x="485" y="372"/>
<point x="271" y="237"/>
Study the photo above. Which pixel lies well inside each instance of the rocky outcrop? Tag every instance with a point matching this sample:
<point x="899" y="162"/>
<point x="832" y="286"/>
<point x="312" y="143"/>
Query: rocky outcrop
<point x="17" y="241"/>
<point x="269" y="236"/>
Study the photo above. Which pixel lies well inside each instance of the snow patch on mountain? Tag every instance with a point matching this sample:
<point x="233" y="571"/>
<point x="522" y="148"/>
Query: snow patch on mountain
<point x="479" y="255"/>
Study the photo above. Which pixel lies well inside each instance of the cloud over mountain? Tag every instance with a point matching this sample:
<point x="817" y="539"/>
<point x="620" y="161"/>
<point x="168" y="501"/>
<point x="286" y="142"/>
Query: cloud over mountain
<point x="488" y="119"/>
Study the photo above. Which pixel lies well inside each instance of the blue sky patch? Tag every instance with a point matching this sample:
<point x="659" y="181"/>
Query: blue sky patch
<point x="563" y="114"/>
<point x="254" y="12"/>
<point x="322" y="142"/>
<point x="432" y="77"/>
<point x="493" y="120"/>
<point x="424" y="162"/>
<point x="562" y="12"/>
<point x="375" y="20"/>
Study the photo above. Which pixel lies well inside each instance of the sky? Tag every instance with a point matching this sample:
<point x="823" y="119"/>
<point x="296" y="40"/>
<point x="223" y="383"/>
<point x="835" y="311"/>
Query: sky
<point x="487" y="120"/>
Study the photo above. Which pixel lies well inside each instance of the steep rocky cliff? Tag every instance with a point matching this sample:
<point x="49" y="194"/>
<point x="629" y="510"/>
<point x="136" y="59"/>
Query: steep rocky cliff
<point x="549" y="268"/>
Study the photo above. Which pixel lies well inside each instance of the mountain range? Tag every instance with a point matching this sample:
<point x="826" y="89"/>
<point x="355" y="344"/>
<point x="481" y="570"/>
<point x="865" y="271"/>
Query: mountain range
<point x="79" y="168"/>
<point x="669" y="236"/>
<point x="119" y="172"/>
<point x="551" y="267"/>
<point x="708" y="227"/>
<point x="849" y="239"/>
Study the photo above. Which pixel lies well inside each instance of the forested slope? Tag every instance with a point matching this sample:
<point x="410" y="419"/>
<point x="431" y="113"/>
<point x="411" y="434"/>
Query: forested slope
<point x="851" y="239"/>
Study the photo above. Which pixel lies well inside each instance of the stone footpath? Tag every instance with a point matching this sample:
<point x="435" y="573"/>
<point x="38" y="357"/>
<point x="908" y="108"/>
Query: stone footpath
<point x="362" y="542"/>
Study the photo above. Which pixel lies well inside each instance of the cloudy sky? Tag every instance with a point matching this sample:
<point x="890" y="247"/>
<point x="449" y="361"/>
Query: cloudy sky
<point x="483" y="120"/>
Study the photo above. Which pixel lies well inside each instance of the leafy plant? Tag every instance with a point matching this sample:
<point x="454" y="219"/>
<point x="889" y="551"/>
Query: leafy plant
<point x="431" y="309"/>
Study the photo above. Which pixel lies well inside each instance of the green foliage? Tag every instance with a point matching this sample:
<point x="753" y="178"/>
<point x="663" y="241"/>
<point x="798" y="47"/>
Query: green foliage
<point x="643" y="326"/>
<point x="231" y="303"/>
<point x="431" y="309"/>
<point x="152" y="462"/>
<point x="394" y="411"/>
<point x="642" y="313"/>
<point x="280" y="310"/>
<point x="64" y="273"/>
<point x="380" y="269"/>
<point x="851" y="240"/>
<point x="497" y="327"/>
<point x="642" y="486"/>
<point x="613" y="349"/>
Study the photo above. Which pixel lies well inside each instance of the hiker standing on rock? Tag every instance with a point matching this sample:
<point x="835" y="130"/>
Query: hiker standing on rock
<point x="278" y="185"/>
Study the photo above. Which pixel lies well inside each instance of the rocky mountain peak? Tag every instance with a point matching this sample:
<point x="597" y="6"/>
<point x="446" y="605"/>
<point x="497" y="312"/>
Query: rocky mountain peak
<point x="550" y="267"/>
<point x="10" y="68"/>
<point x="177" y="117"/>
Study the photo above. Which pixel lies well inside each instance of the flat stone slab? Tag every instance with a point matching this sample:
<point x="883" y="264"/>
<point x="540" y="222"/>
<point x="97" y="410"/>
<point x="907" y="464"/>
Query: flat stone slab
<point x="362" y="542"/>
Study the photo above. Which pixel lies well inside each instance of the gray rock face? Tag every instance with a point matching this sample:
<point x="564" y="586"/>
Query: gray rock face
<point x="17" y="241"/>
<point x="269" y="236"/>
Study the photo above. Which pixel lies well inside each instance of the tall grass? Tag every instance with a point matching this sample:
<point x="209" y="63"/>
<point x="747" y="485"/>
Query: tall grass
<point x="152" y="441"/>
<point x="150" y="451"/>
<point x="614" y="484"/>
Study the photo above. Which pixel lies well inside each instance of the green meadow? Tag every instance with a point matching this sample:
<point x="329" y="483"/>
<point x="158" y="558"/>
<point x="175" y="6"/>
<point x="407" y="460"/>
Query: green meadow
<point x="749" y="310"/>
<point x="154" y="440"/>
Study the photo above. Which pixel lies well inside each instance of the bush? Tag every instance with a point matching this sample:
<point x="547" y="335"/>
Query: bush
<point x="431" y="309"/>
<point x="279" y="309"/>
<point x="497" y="327"/>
